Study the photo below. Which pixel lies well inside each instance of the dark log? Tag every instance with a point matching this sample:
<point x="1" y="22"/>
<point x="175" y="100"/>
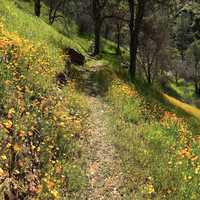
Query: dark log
<point x="75" y="57"/>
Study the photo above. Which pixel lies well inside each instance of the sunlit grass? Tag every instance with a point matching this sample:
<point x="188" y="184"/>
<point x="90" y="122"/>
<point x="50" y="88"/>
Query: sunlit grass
<point x="36" y="29"/>
<point x="184" y="106"/>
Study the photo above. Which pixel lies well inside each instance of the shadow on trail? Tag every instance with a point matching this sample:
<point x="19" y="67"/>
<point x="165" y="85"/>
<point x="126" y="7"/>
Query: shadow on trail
<point x="93" y="81"/>
<point x="96" y="79"/>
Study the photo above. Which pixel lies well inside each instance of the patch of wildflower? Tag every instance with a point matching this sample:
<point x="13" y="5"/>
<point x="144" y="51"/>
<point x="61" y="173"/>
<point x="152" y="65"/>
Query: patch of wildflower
<point x="122" y="89"/>
<point x="163" y="144"/>
<point x="169" y="119"/>
<point x="151" y="111"/>
<point x="39" y="120"/>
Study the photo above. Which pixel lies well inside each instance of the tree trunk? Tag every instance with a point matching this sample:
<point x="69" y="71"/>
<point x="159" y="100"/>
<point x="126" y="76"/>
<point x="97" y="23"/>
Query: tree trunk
<point x="50" y="11"/>
<point x="199" y="91"/>
<point x="149" y="74"/>
<point x="54" y="9"/>
<point x="118" y="51"/>
<point x="176" y="77"/>
<point x="196" y="81"/>
<point x="196" y="87"/>
<point x="106" y="32"/>
<point x="135" y="26"/>
<point x="97" y="38"/>
<point x="133" y="56"/>
<point x="132" y="68"/>
<point x="37" y="8"/>
<point x="52" y="17"/>
<point x="97" y="26"/>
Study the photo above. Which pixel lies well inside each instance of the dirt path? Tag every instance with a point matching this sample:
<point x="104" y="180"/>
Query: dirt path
<point x="105" y="178"/>
<point x="103" y="165"/>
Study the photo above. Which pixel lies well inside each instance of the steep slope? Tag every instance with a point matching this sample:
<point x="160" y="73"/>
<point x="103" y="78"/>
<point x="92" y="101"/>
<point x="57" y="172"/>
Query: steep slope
<point x="98" y="137"/>
<point x="41" y="123"/>
<point x="33" y="28"/>
<point x="158" y="148"/>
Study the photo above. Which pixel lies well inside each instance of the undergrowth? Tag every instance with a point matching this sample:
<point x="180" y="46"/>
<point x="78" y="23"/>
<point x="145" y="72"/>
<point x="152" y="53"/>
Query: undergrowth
<point x="159" y="152"/>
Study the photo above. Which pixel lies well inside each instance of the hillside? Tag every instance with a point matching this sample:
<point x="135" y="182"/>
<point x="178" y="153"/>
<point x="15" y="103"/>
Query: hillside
<point x="98" y="135"/>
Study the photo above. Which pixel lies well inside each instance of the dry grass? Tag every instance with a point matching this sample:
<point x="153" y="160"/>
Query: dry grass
<point x="184" y="106"/>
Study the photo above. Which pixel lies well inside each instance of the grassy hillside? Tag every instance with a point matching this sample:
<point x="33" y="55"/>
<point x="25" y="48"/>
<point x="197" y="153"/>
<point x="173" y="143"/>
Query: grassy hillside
<point x="40" y="122"/>
<point x="158" y="147"/>
<point x="43" y="125"/>
<point x="21" y="21"/>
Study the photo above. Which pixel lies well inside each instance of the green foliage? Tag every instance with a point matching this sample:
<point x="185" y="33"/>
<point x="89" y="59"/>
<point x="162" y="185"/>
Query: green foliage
<point x="194" y="51"/>
<point x="183" y="33"/>
<point x="187" y="26"/>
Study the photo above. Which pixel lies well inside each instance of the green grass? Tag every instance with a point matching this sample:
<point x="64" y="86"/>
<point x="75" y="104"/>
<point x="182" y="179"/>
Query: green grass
<point x="150" y="148"/>
<point x="184" y="91"/>
<point x="56" y="124"/>
<point x="36" y="29"/>
<point x="37" y="110"/>
<point x="149" y="134"/>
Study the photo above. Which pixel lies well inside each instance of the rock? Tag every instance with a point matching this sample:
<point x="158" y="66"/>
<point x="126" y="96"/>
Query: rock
<point x="61" y="78"/>
<point x="68" y="67"/>
<point x="75" y="57"/>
